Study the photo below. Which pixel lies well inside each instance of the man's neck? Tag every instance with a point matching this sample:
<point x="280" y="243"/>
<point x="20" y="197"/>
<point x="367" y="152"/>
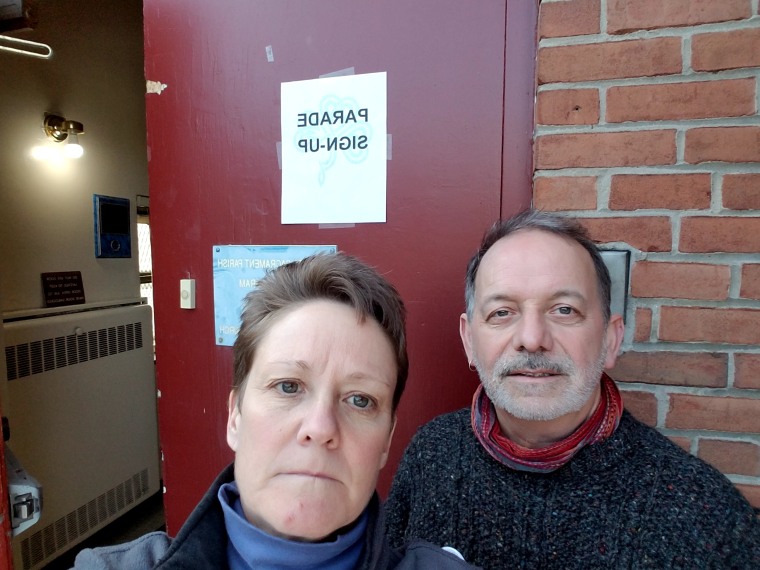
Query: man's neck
<point x="535" y="434"/>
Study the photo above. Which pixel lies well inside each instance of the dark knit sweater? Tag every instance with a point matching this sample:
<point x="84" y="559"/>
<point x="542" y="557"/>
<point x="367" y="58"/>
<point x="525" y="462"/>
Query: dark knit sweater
<point x="634" y="500"/>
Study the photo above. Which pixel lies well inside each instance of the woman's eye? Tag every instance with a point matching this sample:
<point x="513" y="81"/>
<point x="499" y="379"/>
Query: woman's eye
<point x="565" y="310"/>
<point x="360" y="401"/>
<point x="288" y="387"/>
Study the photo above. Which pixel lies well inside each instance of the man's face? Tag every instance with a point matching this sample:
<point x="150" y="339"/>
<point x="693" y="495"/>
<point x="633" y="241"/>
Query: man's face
<point x="537" y="334"/>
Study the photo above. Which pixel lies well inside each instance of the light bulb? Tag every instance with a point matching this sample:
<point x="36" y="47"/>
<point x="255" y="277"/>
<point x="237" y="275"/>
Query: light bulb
<point x="73" y="149"/>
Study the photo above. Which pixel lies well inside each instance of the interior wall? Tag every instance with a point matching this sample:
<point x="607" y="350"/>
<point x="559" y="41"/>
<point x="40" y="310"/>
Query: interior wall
<point x="46" y="215"/>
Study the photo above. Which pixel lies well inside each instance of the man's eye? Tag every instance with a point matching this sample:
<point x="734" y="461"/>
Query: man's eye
<point x="565" y="310"/>
<point x="359" y="401"/>
<point x="288" y="387"/>
<point x="500" y="313"/>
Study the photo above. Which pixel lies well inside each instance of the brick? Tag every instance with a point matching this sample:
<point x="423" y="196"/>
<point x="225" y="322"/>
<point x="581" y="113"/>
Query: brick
<point x="701" y="324"/>
<point x="717" y="413"/>
<point x="611" y="60"/>
<point x="680" y="280"/>
<point x="750" y="281"/>
<point x="677" y="101"/>
<point x="643" y="324"/>
<point x="723" y="144"/>
<point x="568" y="107"/>
<point x="625" y="16"/>
<point x="682" y="442"/>
<point x="565" y="193"/>
<point x="643" y="406"/>
<point x="734" y="457"/>
<point x="726" y="50"/>
<point x="661" y="191"/>
<point x="644" y="233"/>
<point x="629" y="148"/>
<point x="673" y="368"/>
<point x="747" y="373"/>
<point x="751" y="493"/>
<point x="720" y="234"/>
<point x="741" y="191"/>
<point x="569" y="18"/>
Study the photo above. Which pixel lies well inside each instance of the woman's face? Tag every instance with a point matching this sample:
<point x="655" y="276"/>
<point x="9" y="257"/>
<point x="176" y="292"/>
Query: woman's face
<point x="315" y="421"/>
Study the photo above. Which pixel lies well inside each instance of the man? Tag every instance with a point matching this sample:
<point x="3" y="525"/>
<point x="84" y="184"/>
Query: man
<point x="546" y="470"/>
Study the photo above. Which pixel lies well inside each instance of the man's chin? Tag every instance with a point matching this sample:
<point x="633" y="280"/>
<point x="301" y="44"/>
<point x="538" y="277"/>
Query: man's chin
<point x="538" y="408"/>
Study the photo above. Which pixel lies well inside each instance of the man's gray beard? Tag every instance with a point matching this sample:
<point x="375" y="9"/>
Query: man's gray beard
<point x="578" y="389"/>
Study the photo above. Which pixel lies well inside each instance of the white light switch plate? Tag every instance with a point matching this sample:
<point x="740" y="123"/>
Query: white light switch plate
<point x="187" y="293"/>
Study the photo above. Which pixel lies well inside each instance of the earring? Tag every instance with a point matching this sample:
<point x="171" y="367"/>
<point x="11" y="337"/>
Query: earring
<point x="471" y="366"/>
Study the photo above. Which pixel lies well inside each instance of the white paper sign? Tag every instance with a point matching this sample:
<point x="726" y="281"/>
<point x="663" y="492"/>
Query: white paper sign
<point x="334" y="150"/>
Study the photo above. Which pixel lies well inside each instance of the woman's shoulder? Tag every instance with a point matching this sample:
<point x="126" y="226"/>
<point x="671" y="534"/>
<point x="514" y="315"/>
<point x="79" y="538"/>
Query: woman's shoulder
<point x="143" y="552"/>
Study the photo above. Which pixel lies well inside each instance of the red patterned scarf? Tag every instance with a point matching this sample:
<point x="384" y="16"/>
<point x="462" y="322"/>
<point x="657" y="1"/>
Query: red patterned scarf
<point x="600" y="425"/>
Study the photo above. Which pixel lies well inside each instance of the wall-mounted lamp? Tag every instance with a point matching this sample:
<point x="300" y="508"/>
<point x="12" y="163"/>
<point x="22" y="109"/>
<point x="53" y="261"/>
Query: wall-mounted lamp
<point x="59" y="130"/>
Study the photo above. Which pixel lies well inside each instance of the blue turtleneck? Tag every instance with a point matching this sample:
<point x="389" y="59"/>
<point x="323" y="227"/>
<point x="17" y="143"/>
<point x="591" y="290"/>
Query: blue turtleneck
<point x="251" y="548"/>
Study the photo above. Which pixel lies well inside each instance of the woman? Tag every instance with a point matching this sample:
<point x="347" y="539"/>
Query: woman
<point x="320" y="364"/>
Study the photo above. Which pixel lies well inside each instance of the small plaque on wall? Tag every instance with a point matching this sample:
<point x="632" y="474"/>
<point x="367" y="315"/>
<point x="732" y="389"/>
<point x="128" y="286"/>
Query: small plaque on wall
<point x="63" y="288"/>
<point x="18" y="15"/>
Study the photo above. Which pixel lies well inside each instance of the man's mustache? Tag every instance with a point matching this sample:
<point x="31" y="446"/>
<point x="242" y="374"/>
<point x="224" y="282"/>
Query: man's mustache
<point x="507" y="365"/>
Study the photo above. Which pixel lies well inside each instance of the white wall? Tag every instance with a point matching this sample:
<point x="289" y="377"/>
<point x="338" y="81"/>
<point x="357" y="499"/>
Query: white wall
<point x="95" y="77"/>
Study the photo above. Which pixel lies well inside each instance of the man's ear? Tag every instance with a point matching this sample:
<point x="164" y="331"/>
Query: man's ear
<point x="614" y="338"/>
<point x="233" y="420"/>
<point x="465" y="335"/>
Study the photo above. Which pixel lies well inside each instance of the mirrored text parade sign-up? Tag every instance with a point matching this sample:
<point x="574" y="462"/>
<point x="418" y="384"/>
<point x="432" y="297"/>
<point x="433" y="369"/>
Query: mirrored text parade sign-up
<point x="334" y="149"/>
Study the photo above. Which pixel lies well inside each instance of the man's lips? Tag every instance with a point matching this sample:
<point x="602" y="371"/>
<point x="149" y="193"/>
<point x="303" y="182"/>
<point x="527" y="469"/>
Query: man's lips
<point x="537" y="373"/>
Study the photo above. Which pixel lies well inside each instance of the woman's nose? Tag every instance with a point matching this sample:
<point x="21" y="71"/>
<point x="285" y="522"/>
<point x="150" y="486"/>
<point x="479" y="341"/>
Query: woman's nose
<point x="319" y="424"/>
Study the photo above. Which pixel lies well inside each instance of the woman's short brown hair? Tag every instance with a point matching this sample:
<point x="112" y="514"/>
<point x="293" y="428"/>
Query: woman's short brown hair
<point x="333" y="277"/>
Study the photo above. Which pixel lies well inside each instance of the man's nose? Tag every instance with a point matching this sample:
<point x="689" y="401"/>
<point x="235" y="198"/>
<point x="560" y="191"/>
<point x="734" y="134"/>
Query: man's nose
<point x="532" y="333"/>
<point x="320" y="423"/>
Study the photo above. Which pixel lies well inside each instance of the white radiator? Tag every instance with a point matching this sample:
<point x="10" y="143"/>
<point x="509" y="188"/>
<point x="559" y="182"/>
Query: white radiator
<point x="81" y="401"/>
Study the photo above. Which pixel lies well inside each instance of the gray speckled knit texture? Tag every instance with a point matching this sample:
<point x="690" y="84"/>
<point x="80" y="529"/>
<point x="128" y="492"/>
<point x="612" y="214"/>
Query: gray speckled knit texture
<point x="635" y="500"/>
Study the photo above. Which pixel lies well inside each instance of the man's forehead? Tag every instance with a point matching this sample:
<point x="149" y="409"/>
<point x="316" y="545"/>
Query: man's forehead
<point x="536" y="253"/>
<point x="528" y="242"/>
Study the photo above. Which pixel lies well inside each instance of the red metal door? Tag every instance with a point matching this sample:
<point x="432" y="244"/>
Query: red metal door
<point x="6" y="548"/>
<point x="6" y="553"/>
<point x="460" y="157"/>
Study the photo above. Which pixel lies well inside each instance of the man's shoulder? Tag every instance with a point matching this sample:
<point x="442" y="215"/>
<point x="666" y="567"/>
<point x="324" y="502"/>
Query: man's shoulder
<point x="444" y="428"/>
<point x="658" y="454"/>
<point x="649" y="442"/>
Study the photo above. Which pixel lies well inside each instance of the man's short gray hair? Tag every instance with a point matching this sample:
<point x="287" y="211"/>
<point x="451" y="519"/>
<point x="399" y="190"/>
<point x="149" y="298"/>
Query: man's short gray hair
<point x="551" y="223"/>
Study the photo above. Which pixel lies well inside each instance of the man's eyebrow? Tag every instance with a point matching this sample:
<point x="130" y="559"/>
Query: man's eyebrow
<point x="569" y="293"/>
<point x="498" y="297"/>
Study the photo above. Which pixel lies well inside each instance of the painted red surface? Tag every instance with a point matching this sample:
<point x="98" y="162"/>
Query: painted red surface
<point x="6" y="553"/>
<point x="461" y="156"/>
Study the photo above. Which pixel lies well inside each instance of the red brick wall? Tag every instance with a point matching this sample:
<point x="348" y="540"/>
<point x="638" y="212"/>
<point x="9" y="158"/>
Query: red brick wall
<point x="648" y="130"/>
